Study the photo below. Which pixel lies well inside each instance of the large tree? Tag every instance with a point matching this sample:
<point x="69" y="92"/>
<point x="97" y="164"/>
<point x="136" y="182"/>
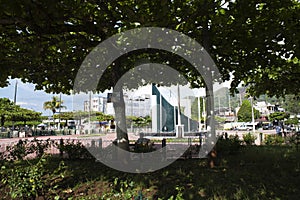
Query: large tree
<point x="11" y="112"/>
<point x="6" y="109"/>
<point x="54" y="104"/>
<point x="44" y="42"/>
<point x="245" y="112"/>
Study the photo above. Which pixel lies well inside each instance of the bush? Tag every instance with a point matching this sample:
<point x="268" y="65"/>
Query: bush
<point x="74" y="150"/>
<point x="31" y="181"/>
<point x="249" y="138"/>
<point x="228" y="146"/>
<point x="274" y="140"/>
<point x="24" y="148"/>
<point x="143" y="145"/>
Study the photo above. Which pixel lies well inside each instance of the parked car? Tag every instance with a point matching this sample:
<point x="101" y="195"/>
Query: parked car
<point x="266" y="126"/>
<point x="243" y="128"/>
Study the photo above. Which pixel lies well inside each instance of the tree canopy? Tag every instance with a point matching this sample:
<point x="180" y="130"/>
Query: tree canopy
<point x="45" y="42"/>
<point x="245" y="112"/>
<point x="54" y="104"/>
<point x="11" y="112"/>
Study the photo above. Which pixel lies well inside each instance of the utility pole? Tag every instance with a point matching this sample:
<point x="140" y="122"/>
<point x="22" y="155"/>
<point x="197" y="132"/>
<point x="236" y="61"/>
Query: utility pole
<point x="15" y="101"/>
<point x="59" y="111"/>
<point x="252" y="113"/>
<point x="90" y="106"/>
<point x="199" y="113"/>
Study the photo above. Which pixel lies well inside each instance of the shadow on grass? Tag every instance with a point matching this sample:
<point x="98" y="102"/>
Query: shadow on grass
<point x="256" y="172"/>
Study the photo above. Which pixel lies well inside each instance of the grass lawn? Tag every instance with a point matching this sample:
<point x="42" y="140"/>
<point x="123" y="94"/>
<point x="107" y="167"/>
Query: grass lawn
<point x="255" y="172"/>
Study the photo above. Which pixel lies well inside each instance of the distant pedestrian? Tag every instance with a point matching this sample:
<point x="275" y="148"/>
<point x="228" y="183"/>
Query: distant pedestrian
<point x="278" y="130"/>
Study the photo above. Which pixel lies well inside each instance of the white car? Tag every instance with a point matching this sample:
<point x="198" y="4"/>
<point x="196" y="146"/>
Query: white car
<point x="243" y="128"/>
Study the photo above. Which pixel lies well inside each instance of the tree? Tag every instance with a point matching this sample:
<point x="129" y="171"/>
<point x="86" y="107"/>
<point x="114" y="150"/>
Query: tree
<point x="45" y="43"/>
<point x="6" y="109"/>
<point x="53" y="105"/>
<point x="291" y="104"/>
<point x="25" y="115"/>
<point x="245" y="112"/>
<point x="103" y="117"/>
<point x="195" y="109"/>
<point x="253" y="45"/>
<point x="12" y="112"/>
<point x="278" y="116"/>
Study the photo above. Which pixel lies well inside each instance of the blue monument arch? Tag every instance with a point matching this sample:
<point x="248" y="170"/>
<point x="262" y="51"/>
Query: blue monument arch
<point x="165" y="115"/>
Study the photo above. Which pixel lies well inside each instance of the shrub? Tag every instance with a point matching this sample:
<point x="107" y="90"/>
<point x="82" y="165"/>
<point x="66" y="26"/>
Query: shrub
<point x="24" y="148"/>
<point x="18" y="151"/>
<point x="143" y="145"/>
<point x="31" y="181"/>
<point x="74" y="150"/>
<point x="122" y="189"/>
<point x="249" y="138"/>
<point x="228" y="146"/>
<point x="274" y="140"/>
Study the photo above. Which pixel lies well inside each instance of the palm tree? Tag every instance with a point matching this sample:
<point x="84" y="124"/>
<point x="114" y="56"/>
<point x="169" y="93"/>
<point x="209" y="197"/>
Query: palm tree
<point x="53" y="105"/>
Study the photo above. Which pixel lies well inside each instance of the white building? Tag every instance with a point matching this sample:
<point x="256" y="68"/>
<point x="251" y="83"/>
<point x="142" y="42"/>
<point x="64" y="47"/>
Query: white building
<point x="138" y="106"/>
<point x="266" y="108"/>
<point x="134" y="106"/>
<point x="98" y="104"/>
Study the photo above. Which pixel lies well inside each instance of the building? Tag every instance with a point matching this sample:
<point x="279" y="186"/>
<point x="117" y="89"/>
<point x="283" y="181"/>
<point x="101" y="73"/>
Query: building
<point x="266" y="108"/>
<point x="139" y="106"/>
<point x="98" y="104"/>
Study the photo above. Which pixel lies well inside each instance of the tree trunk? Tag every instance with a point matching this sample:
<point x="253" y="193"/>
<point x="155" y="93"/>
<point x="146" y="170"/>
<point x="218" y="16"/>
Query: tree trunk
<point x="120" y="118"/>
<point x="210" y="123"/>
<point x="2" y="120"/>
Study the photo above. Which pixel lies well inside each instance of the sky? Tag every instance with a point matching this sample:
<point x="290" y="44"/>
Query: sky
<point x="28" y="97"/>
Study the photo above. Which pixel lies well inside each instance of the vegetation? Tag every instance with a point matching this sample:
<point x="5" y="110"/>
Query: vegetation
<point x="259" y="47"/>
<point x="258" y="43"/>
<point x="249" y="138"/>
<point x="53" y="105"/>
<point x="245" y="112"/>
<point x="279" y="116"/>
<point x="291" y="104"/>
<point x="9" y="112"/>
<point x="236" y="176"/>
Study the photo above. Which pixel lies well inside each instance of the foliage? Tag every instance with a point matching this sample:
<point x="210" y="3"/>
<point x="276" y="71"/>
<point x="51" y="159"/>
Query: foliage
<point x="220" y="119"/>
<point x="195" y="109"/>
<point x="11" y="112"/>
<point x="21" y="123"/>
<point x="121" y="189"/>
<point x="23" y="148"/>
<point x="141" y="121"/>
<point x="53" y="105"/>
<point x="249" y="138"/>
<point x="104" y="117"/>
<point x="33" y="180"/>
<point x="230" y="145"/>
<point x="74" y="150"/>
<point x="294" y="139"/>
<point x="18" y="151"/>
<point x="274" y="140"/>
<point x="144" y="145"/>
<point x="278" y="116"/>
<point x="245" y="112"/>
<point x="179" y="195"/>
<point x="258" y="47"/>
<point x="277" y="178"/>
<point x="291" y="104"/>
<point x="291" y="121"/>
<point x="223" y="27"/>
